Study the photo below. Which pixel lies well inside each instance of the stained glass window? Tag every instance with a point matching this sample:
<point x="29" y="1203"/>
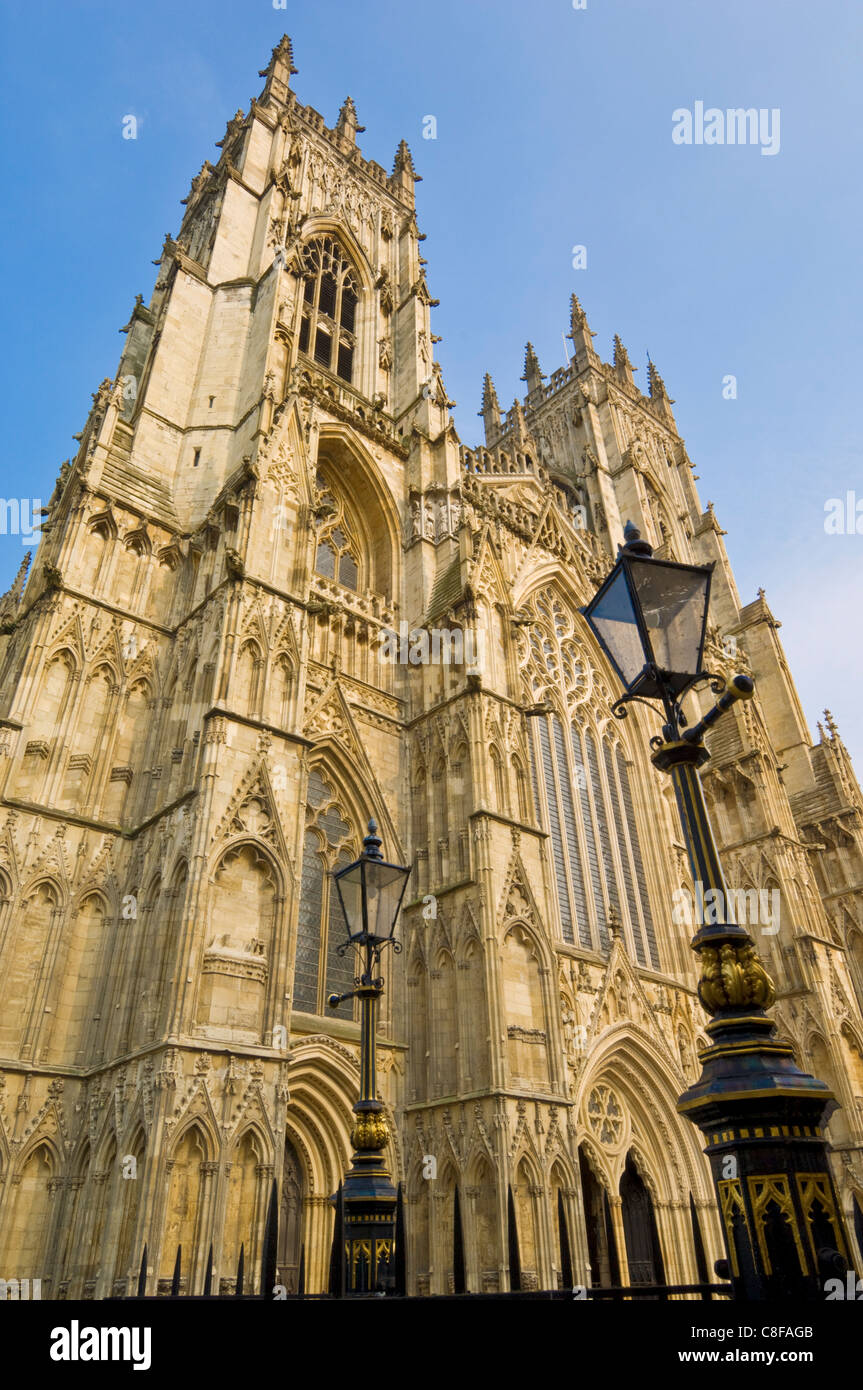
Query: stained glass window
<point x="335" y="557"/>
<point x="318" y="968"/>
<point x="582" y="784"/>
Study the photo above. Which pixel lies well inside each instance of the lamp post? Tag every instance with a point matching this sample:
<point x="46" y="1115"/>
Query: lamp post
<point x="762" y="1117"/>
<point x="370" y="894"/>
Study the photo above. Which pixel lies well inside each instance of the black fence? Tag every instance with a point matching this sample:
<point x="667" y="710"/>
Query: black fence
<point x="274" y="1291"/>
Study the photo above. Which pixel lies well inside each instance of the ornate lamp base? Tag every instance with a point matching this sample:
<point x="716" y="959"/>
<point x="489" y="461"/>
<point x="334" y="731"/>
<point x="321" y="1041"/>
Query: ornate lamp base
<point x="762" y="1117"/>
<point x="370" y="1205"/>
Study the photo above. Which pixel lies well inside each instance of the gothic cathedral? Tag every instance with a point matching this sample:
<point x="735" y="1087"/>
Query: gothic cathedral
<point x="198" y="718"/>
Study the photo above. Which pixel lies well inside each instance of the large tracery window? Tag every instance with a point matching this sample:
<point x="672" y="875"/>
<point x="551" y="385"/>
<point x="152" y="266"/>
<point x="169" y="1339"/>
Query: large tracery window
<point x="330" y="297"/>
<point x="318" y="968"/>
<point x="337" y="549"/>
<point x="582" y="784"/>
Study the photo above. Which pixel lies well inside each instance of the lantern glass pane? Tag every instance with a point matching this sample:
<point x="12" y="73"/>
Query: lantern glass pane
<point x="385" y="884"/>
<point x="350" y="890"/>
<point x="674" y="608"/>
<point x="612" y="616"/>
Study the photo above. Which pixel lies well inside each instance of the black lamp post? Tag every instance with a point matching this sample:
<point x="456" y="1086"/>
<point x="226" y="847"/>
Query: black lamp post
<point x="370" y="893"/>
<point x="762" y="1117"/>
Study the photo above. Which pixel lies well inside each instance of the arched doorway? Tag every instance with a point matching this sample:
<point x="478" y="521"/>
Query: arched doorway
<point x="290" y="1246"/>
<point x="601" y="1246"/>
<point x="643" y="1252"/>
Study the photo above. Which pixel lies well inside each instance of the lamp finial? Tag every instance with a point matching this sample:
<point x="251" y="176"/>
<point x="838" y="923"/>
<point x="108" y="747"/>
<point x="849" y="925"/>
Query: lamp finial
<point x="634" y="545"/>
<point x="372" y="842"/>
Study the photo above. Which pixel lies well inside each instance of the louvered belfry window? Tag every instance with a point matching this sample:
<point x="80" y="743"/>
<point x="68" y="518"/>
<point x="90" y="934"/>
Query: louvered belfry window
<point x="330" y="296"/>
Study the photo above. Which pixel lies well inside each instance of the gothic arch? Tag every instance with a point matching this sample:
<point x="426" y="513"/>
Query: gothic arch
<point x="127" y="1248"/>
<point x="318" y="1123"/>
<point x="344" y="462"/>
<point x="231" y="844"/>
<point x="365" y="327"/>
<point x="243" y="934"/>
<point x="526" y="1004"/>
<point x="531" y="933"/>
<point x="163" y="923"/>
<point x="281" y="686"/>
<point x="28" y="1225"/>
<point x="248" y="681"/>
<point x="40" y="1139"/>
<point x="526" y="1190"/>
<point x="191" y="1148"/>
<point x="323" y="224"/>
<point x="76" y="976"/>
<point x="354" y="785"/>
<point x="7" y="892"/>
<point x="823" y="1065"/>
<point x="247" y="1190"/>
<point x="644" y="1169"/>
<point x="142" y="927"/>
<point x="323" y="1082"/>
<point x="51" y="709"/>
<point x="25" y="980"/>
<point x="548" y="575"/>
<point x="644" y="1080"/>
<point x="259" y="1130"/>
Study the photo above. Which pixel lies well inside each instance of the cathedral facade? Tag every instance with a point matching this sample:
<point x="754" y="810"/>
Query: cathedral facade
<point x="203" y="701"/>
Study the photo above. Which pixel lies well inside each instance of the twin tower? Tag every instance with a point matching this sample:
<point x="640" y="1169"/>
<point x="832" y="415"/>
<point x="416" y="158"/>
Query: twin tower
<point x="196" y="724"/>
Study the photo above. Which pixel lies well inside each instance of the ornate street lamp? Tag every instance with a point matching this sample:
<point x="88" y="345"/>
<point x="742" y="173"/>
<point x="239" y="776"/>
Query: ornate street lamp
<point x="762" y="1117"/>
<point x="370" y="894"/>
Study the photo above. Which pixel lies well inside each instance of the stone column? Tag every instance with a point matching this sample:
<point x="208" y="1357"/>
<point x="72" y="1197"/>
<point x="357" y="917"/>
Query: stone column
<point x="615" y="1203"/>
<point x="318" y="1241"/>
<point x="209" y="1172"/>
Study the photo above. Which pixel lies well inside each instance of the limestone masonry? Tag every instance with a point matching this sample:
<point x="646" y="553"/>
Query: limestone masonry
<point x="197" y="720"/>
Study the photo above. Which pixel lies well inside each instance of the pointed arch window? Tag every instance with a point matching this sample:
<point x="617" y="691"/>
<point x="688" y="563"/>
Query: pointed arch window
<point x="582" y="785"/>
<point x="337" y="549"/>
<point x="328" y="846"/>
<point x="329" y="307"/>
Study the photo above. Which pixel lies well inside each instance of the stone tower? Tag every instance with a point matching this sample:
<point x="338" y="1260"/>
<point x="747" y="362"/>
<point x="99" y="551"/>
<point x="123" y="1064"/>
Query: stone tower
<point x="199" y="710"/>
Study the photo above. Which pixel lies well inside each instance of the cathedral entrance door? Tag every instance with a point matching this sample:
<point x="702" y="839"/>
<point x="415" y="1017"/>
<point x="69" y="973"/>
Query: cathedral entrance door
<point x="604" y="1268"/>
<point x="290" y="1222"/>
<point x="639" y="1226"/>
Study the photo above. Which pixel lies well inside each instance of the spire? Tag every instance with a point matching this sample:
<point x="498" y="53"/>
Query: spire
<point x="489" y="394"/>
<point x="622" y="364"/>
<point x="404" y="176"/>
<point x="490" y="411"/>
<point x="278" y="72"/>
<point x="579" y="332"/>
<point x="10" y="600"/>
<point x="515" y="421"/>
<point x="842" y="758"/>
<point x="532" y="374"/>
<point x="577" y="316"/>
<point x="347" y="125"/>
<point x="658" y="394"/>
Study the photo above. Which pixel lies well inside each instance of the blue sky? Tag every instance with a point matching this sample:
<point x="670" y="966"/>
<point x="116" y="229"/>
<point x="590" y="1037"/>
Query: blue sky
<point x="553" y="130"/>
